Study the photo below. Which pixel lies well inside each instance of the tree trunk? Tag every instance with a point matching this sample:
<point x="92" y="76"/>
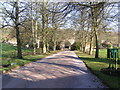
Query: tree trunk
<point x="19" y="53"/>
<point x="38" y="44"/>
<point x="44" y="27"/>
<point x="90" y="49"/>
<point x="36" y="27"/>
<point x="44" y="47"/>
<point x="97" y="46"/>
<point x="80" y="48"/>
<point x="48" y="50"/>
<point x="70" y="47"/>
<point x="85" y="44"/>
<point x="83" y="49"/>
<point x="34" y="50"/>
<point x="95" y="29"/>
<point x="33" y="35"/>
<point x="54" y="47"/>
<point x="33" y="32"/>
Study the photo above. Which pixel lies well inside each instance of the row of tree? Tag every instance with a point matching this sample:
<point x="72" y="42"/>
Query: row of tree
<point x="39" y="23"/>
<point x="91" y="20"/>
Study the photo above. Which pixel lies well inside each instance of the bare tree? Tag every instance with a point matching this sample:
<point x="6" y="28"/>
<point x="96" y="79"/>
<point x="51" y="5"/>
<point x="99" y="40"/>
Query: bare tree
<point x="14" y="17"/>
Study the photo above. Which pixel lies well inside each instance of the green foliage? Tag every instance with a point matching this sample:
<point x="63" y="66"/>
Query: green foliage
<point x="76" y="46"/>
<point x="108" y="45"/>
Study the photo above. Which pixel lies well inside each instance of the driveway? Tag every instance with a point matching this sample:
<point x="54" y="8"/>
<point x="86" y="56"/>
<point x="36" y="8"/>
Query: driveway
<point x="61" y="70"/>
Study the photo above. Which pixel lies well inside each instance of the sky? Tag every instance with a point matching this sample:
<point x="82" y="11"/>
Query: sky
<point x="68" y="0"/>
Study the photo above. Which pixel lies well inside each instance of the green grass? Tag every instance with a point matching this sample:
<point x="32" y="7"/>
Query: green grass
<point x="9" y="55"/>
<point x="11" y="51"/>
<point x="96" y="64"/>
<point x="103" y="53"/>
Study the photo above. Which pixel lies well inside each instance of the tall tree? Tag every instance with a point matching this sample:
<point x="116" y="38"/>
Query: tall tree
<point x="17" y="30"/>
<point x="33" y="30"/>
<point x="14" y="17"/>
<point x="44" y="25"/>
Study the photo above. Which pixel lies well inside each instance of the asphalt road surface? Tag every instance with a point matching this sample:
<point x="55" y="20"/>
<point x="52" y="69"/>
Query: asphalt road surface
<point x="61" y="70"/>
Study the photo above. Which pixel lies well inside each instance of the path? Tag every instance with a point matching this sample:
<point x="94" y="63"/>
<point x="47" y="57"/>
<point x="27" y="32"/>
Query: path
<point x="62" y="70"/>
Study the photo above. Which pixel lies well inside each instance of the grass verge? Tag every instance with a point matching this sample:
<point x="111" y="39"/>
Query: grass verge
<point x="10" y="61"/>
<point x="95" y="65"/>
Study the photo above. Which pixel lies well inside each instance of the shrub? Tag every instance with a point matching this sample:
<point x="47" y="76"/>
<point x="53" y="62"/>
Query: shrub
<point x="76" y="46"/>
<point x="108" y="45"/>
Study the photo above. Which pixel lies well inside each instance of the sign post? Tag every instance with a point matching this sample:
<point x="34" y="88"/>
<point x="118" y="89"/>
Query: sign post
<point x="112" y="54"/>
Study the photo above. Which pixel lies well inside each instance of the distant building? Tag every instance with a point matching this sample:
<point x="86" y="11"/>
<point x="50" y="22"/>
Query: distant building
<point x="105" y="44"/>
<point x="118" y="44"/>
<point x="13" y="41"/>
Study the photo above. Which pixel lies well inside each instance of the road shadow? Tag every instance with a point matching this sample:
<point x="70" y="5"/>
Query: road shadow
<point x="64" y="56"/>
<point x="65" y="66"/>
<point x="73" y="81"/>
<point x="43" y="74"/>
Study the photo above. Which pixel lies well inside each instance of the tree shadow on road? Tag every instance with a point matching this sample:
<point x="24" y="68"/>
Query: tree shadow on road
<point x="66" y="66"/>
<point x="65" y="56"/>
<point x="70" y="81"/>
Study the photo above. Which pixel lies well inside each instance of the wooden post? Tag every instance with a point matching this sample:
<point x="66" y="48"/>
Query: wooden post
<point x="110" y="60"/>
<point x="116" y="60"/>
